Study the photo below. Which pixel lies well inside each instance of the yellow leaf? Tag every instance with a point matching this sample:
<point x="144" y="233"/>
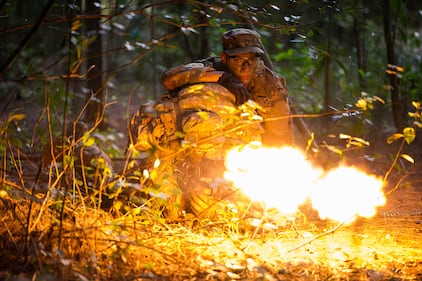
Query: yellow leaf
<point x="360" y="140"/>
<point x="89" y="141"/>
<point x="394" y="137"/>
<point x="409" y="134"/>
<point x="4" y="194"/>
<point x="76" y="25"/>
<point x="394" y="67"/>
<point x="379" y="99"/>
<point x="334" y="149"/>
<point x="69" y="160"/>
<point x="416" y="104"/>
<point x="362" y="104"/>
<point x="131" y="147"/>
<point x="135" y="211"/>
<point x="412" y="114"/>
<point x="344" y="136"/>
<point x="118" y="204"/>
<point x="153" y="175"/>
<point x="408" y="158"/>
<point x="310" y="141"/>
<point x="355" y="143"/>
<point x="15" y="117"/>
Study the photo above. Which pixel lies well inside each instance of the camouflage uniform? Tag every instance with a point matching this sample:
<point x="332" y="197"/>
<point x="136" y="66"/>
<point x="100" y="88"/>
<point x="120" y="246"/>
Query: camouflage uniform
<point x="196" y="172"/>
<point x="265" y="88"/>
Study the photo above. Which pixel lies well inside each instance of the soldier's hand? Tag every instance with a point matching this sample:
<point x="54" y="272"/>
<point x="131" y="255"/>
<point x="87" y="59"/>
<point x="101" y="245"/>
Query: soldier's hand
<point x="234" y="85"/>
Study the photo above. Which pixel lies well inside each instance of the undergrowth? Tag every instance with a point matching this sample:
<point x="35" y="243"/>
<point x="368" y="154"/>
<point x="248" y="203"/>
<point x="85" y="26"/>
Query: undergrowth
<point x="86" y="221"/>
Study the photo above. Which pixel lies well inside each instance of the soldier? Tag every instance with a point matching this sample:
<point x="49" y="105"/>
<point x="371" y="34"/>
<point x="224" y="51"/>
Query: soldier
<point x="241" y="70"/>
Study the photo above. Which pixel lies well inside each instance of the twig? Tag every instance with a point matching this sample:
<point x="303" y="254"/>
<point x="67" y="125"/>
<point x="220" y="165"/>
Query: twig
<point x="37" y="253"/>
<point x="12" y="240"/>
<point x="397" y="185"/>
<point x="129" y="133"/>
<point x="258" y="227"/>
<point x="334" y="229"/>
<point x="396" y="158"/>
<point x="9" y="101"/>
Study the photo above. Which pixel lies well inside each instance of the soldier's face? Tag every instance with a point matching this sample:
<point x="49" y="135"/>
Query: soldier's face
<point x="243" y="66"/>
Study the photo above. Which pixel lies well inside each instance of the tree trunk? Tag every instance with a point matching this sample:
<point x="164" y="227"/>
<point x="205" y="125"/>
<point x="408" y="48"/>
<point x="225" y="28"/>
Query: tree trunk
<point x="155" y="75"/>
<point x="397" y="107"/>
<point x="205" y="35"/>
<point x="95" y="99"/>
<point x="361" y="54"/>
<point x="327" y="73"/>
<point x="327" y="95"/>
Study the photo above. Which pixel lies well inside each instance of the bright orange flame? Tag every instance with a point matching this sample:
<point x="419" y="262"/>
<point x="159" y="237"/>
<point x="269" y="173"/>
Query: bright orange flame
<point x="345" y="192"/>
<point x="282" y="178"/>
<point x="279" y="177"/>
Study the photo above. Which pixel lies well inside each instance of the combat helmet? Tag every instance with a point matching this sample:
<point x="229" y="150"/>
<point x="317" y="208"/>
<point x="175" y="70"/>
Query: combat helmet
<point x="241" y="41"/>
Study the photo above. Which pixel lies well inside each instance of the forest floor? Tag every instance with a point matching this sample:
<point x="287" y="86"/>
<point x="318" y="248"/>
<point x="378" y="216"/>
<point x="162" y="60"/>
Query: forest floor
<point x="95" y="245"/>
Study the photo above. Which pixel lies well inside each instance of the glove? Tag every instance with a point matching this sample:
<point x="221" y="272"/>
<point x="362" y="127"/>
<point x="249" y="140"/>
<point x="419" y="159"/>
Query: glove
<point x="234" y="85"/>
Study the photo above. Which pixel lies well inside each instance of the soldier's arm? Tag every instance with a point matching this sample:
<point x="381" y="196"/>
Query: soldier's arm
<point x="278" y="127"/>
<point x="192" y="73"/>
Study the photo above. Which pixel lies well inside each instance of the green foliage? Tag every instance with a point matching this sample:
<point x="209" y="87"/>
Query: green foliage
<point x="147" y="38"/>
<point x="10" y="135"/>
<point x="110" y="140"/>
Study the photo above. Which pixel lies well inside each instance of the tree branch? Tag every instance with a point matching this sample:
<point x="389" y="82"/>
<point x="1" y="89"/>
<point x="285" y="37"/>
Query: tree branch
<point x="27" y="38"/>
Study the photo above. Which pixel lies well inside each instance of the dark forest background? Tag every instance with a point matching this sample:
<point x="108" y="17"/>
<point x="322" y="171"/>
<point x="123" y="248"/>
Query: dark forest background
<point x="65" y="54"/>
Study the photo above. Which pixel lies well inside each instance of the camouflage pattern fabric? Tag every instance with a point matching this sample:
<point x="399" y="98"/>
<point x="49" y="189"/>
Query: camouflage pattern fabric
<point x="191" y="131"/>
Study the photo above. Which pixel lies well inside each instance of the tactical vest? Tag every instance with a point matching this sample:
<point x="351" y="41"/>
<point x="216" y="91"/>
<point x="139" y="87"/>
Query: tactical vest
<point x="198" y="117"/>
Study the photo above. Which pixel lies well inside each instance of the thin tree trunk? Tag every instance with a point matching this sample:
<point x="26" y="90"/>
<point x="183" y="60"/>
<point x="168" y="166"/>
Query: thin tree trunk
<point x="327" y="73"/>
<point x="95" y="98"/>
<point x="154" y="55"/>
<point x="397" y="107"/>
<point x="361" y="54"/>
<point x="327" y="83"/>
<point x="205" y="35"/>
